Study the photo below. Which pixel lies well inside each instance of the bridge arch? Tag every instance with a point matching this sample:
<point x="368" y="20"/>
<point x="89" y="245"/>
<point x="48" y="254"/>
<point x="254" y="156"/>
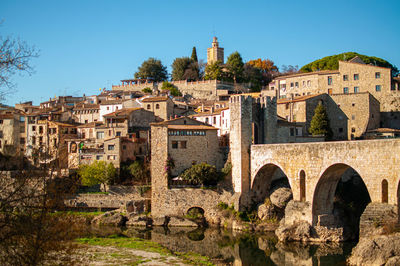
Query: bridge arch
<point x="264" y="178"/>
<point x="325" y="193"/>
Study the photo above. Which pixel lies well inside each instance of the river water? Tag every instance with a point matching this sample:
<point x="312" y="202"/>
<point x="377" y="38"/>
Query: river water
<point x="231" y="248"/>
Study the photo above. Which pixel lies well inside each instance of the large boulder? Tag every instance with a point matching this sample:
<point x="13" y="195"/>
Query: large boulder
<point x="181" y="222"/>
<point x="110" y="218"/>
<point x="139" y="221"/>
<point x="266" y="212"/>
<point x="377" y="250"/>
<point x="281" y="196"/>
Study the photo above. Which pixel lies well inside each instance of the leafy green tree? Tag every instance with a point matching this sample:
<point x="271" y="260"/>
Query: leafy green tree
<point x="254" y="76"/>
<point x="166" y="86"/>
<point x="139" y="171"/>
<point x="214" y="71"/>
<point x="97" y="173"/>
<point x="320" y="123"/>
<point x="332" y="62"/>
<point x="202" y="174"/>
<point x="147" y="90"/>
<point x="194" y="55"/>
<point x="153" y="69"/>
<point x="179" y="67"/>
<point x="235" y="66"/>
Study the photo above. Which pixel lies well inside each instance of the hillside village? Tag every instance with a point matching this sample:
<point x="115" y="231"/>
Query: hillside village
<point x="361" y="100"/>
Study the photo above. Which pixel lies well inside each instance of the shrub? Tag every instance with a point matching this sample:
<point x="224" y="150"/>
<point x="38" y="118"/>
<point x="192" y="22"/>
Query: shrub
<point x="166" y="86"/>
<point x="202" y="174"/>
<point x="97" y="173"/>
<point x="147" y="90"/>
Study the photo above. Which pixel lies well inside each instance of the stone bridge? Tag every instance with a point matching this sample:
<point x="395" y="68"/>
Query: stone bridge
<point x="314" y="170"/>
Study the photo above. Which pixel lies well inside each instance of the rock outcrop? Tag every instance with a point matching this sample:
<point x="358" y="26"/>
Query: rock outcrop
<point x="377" y="250"/>
<point x="281" y="196"/>
<point x="113" y="218"/>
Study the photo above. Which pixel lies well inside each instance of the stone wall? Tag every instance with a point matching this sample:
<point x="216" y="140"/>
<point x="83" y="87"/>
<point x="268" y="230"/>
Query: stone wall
<point x="375" y="216"/>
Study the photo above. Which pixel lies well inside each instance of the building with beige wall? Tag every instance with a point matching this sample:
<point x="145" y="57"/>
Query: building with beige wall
<point x="215" y="53"/>
<point x="188" y="142"/>
<point x="12" y="133"/>
<point x="86" y="113"/>
<point x="350" y="115"/>
<point x="162" y="107"/>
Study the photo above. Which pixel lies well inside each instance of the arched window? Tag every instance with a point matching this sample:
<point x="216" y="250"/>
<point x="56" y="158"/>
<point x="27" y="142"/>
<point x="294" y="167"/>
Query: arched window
<point x="157" y="106"/>
<point x="385" y="196"/>
<point x="302" y="186"/>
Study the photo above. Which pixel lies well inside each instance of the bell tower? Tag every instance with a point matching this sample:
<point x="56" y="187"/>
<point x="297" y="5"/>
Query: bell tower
<point x="215" y="53"/>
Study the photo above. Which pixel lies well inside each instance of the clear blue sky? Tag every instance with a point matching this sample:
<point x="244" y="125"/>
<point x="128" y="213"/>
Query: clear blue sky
<point x="90" y="44"/>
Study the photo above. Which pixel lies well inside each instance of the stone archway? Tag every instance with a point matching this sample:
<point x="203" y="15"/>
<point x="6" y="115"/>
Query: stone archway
<point x="265" y="179"/>
<point x="340" y="198"/>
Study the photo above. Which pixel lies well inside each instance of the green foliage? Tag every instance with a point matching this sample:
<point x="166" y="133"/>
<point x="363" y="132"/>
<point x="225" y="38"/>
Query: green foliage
<point x="194" y="214"/>
<point x="147" y="90"/>
<point x="194" y="55"/>
<point x="153" y="69"/>
<point x="97" y="173"/>
<point x="253" y="75"/>
<point x="179" y="67"/>
<point x="139" y="171"/>
<point x="332" y="62"/>
<point x="227" y="169"/>
<point x="320" y="123"/>
<point x="203" y="174"/>
<point x="166" y="86"/>
<point x="214" y="71"/>
<point x="235" y="67"/>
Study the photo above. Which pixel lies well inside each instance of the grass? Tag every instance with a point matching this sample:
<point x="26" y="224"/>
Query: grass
<point x="81" y="214"/>
<point x="145" y="245"/>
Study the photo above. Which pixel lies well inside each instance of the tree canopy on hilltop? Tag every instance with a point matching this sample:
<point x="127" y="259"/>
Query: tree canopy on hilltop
<point x="332" y="62"/>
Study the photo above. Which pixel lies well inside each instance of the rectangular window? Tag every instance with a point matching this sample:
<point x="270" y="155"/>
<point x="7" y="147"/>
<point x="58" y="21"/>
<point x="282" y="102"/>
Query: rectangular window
<point x="340" y="130"/>
<point x="291" y="84"/>
<point x="345" y="90"/>
<point x="214" y="120"/>
<point x="330" y="80"/>
<point x="330" y="91"/>
<point x="345" y="77"/>
<point x="174" y="145"/>
<point x="99" y="157"/>
<point x="111" y="147"/>
<point x="86" y="121"/>
<point x="100" y="135"/>
<point x="297" y="132"/>
<point x="183" y="144"/>
<point x="356" y="89"/>
<point x="353" y="129"/>
<point x="356" y="77"/>
<point x="378" y="88"/>
<point x="353" y="117"/>
<point x="377" y="75"/>
<point x="291" y="132"/>
<point x="148" y="107"/>
<point x="22" y="140"/>
<point x="1" y="121"/>
<point x="296" y="84"/>
<point x="124" y="147"/>
<point x="118" y="133"/>
<point x="33" y="127"/>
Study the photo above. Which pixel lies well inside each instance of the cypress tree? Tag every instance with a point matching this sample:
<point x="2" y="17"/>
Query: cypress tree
<point x="194" y="54"/>
<point x="320" y="123"/>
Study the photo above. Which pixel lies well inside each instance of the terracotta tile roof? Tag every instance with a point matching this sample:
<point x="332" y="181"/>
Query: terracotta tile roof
<point x="298" y="99"/>
<point x="154" y="99"/>
<point x="121" y="113"/>
<point x="252" y="94"/>
<point x="192" y="127"/>
<point x="384" y="130"/>
<point x="216" y="112"/>
<point x="109" y="102"/>
<point x="322" y="72"/>
<point x="91" y="124"/>
<point x="86" y="106"/>
<point x="62" y="124"/>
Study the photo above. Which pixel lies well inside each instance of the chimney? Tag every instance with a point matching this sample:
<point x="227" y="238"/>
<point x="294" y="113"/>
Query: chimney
<point x="202" y="107"/>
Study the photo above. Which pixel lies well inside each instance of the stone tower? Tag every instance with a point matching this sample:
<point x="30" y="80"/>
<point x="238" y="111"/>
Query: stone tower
<point x="215" y="53"/>
<point x="253" y="121"/>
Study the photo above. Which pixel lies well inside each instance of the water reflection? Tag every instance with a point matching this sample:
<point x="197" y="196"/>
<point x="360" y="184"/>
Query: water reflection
<point x="233" y="248"/>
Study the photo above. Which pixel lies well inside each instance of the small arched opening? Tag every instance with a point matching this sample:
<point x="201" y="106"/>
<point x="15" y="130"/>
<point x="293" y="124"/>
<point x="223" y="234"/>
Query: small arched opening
<point x="340" y="198"/>
<point x="195" y="213"/>
<point x="302" y="186"/>
<point x="385" y="190"/>
<point x="271" y="187"/>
